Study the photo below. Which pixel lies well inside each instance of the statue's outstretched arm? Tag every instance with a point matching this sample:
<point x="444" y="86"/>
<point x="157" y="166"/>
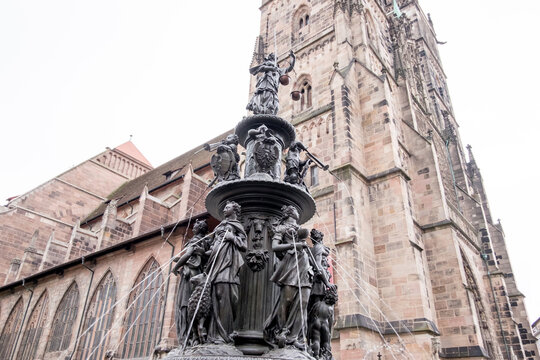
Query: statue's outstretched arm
<point x="292" y="62"/>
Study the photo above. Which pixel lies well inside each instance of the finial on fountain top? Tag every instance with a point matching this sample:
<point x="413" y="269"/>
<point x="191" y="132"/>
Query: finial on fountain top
<point x="265" y="99"/>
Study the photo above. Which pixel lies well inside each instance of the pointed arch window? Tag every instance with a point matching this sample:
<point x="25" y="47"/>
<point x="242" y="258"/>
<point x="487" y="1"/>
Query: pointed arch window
<point x="7" y="339"/>
<point x="305" y="100"/>
<point x="34" y="329"/>
<point x="477" y="305"/>
<point x="62" y="325"/>
<point x="141" y="325"/>
<point x="99" y="318"/>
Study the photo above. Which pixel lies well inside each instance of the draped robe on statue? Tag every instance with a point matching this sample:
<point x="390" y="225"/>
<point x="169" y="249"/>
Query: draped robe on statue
<point x="226" y="261"/>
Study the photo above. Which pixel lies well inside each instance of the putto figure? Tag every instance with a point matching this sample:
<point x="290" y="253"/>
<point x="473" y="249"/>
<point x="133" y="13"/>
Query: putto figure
<point x="188" y="266"/>
<point x="229" y="240"/>
<point x="294" y="276"/>
<point x="225" y="161"/>
<point x="321" y="320"/>
<point x="265" y="99"/>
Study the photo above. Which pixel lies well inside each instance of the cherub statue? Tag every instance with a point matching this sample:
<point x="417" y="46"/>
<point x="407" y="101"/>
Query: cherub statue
<point x="321" y="319"/>
<point x="265" y="100"/>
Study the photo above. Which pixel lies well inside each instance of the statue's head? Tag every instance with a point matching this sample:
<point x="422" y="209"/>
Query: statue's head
<point x="296" y="146"/>
<point x="232" y="139"/>
<point x="200" y="227"/>
<point x="303" y="234"/>
<point x="316" y="236"/>
<point x="290" y="211"/>
<point x="231" y="208"/>
<point x="271" y="57"/>
<point x="330" y="296"/>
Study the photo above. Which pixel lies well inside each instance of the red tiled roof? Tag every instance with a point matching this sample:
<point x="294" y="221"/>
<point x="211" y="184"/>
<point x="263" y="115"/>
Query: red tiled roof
<point x="130" y="149"/>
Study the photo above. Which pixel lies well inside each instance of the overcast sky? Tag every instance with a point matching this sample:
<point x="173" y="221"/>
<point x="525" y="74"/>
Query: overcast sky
<point x="78" y="76"/>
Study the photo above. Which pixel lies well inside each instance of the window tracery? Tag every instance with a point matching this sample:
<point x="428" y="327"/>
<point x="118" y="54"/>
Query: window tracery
<point x="9" y="333"/>
<point x="478" y="306"/>
<point x="142" y="321"/>
<point x="34" y="329"/>
<point x="62" y="325"/>
<point x="99" y="318"/>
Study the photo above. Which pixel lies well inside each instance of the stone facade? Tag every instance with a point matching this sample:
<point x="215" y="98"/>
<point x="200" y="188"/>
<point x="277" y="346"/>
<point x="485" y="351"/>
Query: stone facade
<point x="421" y="267"/>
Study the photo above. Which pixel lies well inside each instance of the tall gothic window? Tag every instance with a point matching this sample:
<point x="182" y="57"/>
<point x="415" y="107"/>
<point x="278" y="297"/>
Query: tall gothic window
<point x="62" y="325"/>
<point x="478" y="306"/>
<point x="141" y="325"/>
<point x="13" y="323"/>
<point x="34" y="329"/>
<point x="99" y="318"/>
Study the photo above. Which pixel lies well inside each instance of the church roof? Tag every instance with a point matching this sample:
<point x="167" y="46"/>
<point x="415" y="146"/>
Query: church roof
<point x="130" y="149"/>
<point x="156" y="178"/>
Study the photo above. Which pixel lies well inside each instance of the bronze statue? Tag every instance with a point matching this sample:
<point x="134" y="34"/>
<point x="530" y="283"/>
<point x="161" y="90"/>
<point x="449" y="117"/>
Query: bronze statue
<point x="189" y="265"/>
<point x="265" y="152"/>
<point x="225" y="161"/>
<point x="199" y="306"/>
<point x="229" y="240"/>
<point x="320" y="254"/>
<point x="296" y="169"/>
<point x="265" y="100"/>
<point x="321" y="302"/>
<point x="294" y="276"/>
<point x="321" y="320"/>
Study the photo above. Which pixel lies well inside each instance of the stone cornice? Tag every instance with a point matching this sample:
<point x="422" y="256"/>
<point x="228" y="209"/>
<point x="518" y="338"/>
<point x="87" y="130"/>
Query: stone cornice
<point x="420" y="325"/>
<point x="305" y="116"/>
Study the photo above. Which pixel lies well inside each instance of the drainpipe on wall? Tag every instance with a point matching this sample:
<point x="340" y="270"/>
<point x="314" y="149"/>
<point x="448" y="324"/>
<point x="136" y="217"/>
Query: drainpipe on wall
<point x="24" y="318"/>
<point x="485" y="257"/>
<point x="84" y="308"/>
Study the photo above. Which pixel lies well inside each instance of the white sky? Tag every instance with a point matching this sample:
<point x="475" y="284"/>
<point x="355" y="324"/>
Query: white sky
<point x="78" y="76"/>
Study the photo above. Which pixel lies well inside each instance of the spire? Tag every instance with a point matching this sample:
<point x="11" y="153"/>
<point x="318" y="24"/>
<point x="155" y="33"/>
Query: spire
<point x="470" y="153"/>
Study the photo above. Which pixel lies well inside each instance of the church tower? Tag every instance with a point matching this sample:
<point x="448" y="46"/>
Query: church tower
<point x="421" y="268"/>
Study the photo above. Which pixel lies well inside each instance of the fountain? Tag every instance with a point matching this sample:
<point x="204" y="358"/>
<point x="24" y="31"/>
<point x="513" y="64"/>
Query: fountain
<point x="250" y="283"/>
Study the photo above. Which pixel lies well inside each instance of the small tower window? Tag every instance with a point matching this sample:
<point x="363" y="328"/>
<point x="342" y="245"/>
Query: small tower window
<point x="305" y="101"/>
<point x="304" y="21"/>
<point x="301" y="20"/>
